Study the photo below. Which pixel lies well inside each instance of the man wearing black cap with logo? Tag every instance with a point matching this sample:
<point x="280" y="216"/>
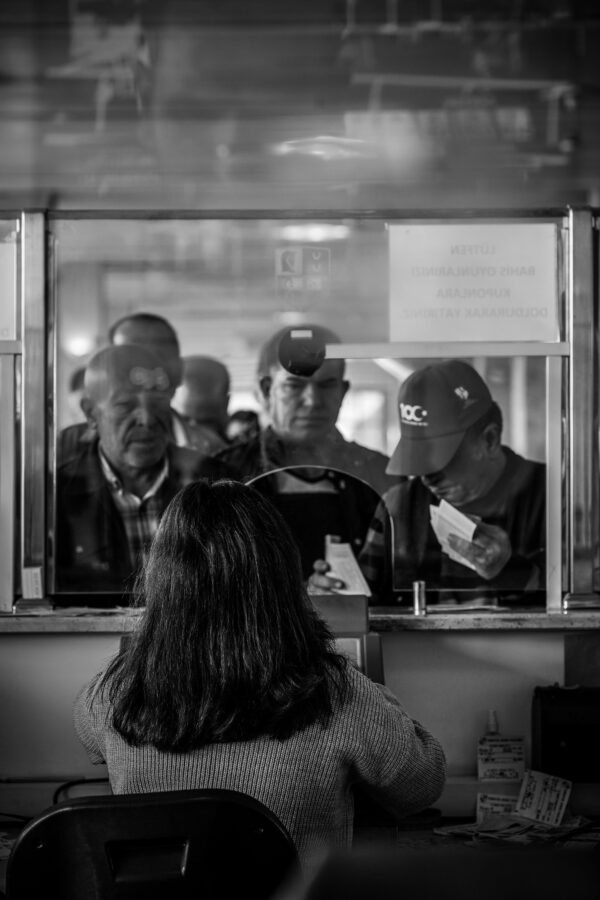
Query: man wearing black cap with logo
<point x="450" y="450"/>
<point x="322" y="483"/>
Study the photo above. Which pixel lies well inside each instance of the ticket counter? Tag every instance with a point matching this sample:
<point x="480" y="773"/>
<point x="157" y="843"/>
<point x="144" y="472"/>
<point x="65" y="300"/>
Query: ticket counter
<point x="514" y="295"/>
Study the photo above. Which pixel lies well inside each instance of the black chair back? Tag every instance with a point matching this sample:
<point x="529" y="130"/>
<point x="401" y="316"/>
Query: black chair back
<point x="168" y="845"/>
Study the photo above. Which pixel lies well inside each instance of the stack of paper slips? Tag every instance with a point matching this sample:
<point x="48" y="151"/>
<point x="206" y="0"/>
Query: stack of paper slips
<point x="446" y="520"/>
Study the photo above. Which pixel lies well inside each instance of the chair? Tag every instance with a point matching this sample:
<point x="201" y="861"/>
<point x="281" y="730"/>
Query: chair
<point x="168" y="845"/>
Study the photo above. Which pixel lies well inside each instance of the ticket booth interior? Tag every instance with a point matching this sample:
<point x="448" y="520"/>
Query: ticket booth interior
<point x="514" y="294"/>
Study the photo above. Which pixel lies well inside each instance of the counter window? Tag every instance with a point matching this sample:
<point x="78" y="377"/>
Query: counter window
<point x="399" y="388"/>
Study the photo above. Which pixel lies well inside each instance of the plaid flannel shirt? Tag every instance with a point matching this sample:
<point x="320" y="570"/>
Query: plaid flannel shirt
<point x="140" y="515"/>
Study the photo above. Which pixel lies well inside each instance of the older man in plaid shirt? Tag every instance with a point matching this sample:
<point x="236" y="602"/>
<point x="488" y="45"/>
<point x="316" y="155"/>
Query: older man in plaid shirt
<point x="112" y="492"/>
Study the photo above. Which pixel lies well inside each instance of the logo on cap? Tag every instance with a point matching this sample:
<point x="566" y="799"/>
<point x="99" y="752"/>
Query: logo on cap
<point x="413" y="414"/>
<point x="463" y="394"/>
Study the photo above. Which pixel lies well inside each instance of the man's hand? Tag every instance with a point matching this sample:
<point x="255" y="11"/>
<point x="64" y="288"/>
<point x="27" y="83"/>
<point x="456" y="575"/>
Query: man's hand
<point x="321" y="583"/>
<point x="488" y="552"/>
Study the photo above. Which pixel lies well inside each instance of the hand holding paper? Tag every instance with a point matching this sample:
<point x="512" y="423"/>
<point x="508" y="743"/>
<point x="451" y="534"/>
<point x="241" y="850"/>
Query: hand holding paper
<point x="482" y="547"/>
<point x="344" y="567"/>
<point x="447" y="521"/>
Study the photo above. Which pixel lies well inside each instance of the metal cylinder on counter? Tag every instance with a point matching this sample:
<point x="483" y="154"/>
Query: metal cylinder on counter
<point x="419" y="598"/>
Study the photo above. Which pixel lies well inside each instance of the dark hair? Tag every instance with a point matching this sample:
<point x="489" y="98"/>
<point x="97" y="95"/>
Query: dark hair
<point x="230" y="646"/>
<point x="145" y="319"/>
<point x="269" y="352"/>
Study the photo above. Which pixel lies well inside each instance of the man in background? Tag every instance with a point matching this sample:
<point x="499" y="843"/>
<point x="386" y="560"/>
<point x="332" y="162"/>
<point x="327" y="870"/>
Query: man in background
<point x="322" y="483"/>
<point x="243" y="425"/>
<point x="112" y="492"/>
<point x="158" y="335"/>
<point x="202" y="399"/>
<point x="302" y="412"/>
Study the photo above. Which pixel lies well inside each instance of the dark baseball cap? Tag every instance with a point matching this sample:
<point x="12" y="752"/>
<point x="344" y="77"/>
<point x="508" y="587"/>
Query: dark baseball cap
<point x="436" y="405"/>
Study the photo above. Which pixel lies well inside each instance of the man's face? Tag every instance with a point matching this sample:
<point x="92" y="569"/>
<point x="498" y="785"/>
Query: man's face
<point x="132" y="417"/>
<point x="305" y="410"/>
<point x="465" y="477"/>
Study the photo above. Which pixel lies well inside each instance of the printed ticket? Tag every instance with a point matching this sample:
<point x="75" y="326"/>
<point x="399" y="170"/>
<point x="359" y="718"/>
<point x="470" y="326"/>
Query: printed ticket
<point x="543" y="798"/>
<point x="500" y="758"/>
<point x="490" y="805"/>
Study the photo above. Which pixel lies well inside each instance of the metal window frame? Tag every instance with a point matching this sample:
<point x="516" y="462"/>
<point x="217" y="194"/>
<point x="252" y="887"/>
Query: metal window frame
<point x="10" y="351"/>
<point x="572" y="438"/>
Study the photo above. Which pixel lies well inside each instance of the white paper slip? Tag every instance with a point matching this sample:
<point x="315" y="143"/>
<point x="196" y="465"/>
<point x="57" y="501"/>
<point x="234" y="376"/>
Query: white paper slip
<point x="543" y="798"/>
<point x="344" y="566"/>
<point x="447" y="520"/>
<point x="491" y="805"/>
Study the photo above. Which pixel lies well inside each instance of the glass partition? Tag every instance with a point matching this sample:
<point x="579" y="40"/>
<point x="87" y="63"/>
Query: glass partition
<point x="396" y="295"/>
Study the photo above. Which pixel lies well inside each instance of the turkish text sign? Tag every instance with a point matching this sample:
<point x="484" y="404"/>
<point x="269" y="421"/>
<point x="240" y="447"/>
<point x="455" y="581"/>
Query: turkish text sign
<point x="473" y="282"/>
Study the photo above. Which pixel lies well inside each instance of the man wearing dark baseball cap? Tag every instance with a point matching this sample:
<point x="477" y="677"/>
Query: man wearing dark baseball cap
<point x="450" y="450"/>
<point x="436" y="405"/>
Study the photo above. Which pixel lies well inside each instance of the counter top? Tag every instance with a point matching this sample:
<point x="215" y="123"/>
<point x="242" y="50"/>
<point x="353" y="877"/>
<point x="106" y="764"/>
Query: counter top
<point x="383" y="619"/>
<point x="39" y="618"/>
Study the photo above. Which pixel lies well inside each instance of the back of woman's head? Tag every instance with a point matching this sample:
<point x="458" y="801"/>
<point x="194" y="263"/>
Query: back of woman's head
<point x="224" y="563"/>
<point x="228" y="629"/>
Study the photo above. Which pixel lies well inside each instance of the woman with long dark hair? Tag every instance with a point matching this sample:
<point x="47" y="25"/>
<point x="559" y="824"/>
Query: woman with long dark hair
<point x="233" y="681"/>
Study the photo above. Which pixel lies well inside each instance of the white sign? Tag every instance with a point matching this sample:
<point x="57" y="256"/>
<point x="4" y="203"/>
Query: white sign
<point x="473" y="282"/>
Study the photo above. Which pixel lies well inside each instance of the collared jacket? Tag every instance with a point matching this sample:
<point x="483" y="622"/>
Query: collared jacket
<point x="92" y="553"/>
<point x="266" y="452"/>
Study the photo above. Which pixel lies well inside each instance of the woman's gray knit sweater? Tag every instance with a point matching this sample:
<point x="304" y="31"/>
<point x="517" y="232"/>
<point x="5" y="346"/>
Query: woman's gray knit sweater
<point x="306" y="780"/>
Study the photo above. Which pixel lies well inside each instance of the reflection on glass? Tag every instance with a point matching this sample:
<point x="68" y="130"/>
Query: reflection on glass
<point x="321" y="504"/>
<point x="222" y="290"/>
<point x="216" y="290"/>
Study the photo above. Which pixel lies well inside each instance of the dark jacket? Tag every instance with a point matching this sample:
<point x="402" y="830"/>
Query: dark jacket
<point x="92" y="552"/>
<point x="516" y="503"/>
<point x="266" y="452"/>
<point x="338" y="499"/>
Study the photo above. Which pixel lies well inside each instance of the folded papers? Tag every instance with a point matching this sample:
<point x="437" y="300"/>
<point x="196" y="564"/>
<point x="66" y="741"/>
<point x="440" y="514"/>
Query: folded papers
<point x="447" y="520"/>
